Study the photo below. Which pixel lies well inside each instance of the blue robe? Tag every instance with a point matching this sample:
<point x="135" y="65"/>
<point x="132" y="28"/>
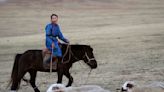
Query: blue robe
<point x="52" y="33"/>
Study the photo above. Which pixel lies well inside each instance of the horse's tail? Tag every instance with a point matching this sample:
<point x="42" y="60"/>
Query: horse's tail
<point x="15" y="69"/>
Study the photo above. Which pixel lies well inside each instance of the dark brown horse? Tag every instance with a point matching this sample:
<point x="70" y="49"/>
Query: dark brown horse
<point x="31" y="61"/>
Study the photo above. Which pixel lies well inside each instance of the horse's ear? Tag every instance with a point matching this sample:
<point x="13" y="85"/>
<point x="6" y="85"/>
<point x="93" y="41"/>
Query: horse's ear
<point x="90" y="47"/>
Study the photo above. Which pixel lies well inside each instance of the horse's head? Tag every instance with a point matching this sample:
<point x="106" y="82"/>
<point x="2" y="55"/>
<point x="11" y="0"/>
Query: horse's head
<point x="89" y="57"/>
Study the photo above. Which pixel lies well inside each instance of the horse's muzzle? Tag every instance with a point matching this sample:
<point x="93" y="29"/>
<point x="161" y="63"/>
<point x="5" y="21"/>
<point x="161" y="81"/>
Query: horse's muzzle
<point x="93" y="64"/>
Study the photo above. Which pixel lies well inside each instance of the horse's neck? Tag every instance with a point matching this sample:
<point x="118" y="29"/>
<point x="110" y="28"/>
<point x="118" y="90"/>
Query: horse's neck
<point x="74" y="57"/>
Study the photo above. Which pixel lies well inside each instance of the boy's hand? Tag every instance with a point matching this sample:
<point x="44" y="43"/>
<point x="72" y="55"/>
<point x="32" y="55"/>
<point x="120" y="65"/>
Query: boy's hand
<point x="67" y="41"/>
<point x="53" y="45"/>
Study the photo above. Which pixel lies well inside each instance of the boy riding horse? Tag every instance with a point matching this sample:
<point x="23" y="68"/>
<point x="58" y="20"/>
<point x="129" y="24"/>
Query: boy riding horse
<point x="52" y="33"/>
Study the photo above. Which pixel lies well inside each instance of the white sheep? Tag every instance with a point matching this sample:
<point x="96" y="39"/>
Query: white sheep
<point x="130" y="86"/>
<point x="85" y="88"/>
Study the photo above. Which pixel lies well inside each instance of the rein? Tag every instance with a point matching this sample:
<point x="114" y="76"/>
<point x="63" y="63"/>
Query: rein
<point x="68" y="46"/>
<point x="68" y="50"/>
<point x="88" y="76"/>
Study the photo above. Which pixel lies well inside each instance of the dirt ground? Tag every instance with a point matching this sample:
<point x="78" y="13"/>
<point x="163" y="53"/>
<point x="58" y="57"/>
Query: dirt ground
<point x="127" y="37"/>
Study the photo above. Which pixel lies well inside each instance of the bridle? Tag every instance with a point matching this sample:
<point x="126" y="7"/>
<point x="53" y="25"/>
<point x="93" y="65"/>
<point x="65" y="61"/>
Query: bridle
<point x="89" y="59"/>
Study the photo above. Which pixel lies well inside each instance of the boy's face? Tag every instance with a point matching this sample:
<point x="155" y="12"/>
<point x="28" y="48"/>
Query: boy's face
<point x="54" y="19"/>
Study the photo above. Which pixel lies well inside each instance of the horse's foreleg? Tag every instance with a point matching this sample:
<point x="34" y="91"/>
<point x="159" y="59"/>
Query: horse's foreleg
<point x="60" y="76"/>
<point x="33" y="74"/>
<point x="60" y="71"/>
<point x="68" y="75"/>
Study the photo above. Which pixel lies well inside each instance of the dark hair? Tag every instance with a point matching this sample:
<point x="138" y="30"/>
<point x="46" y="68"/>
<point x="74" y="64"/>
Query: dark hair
<point x="54" y="15"/>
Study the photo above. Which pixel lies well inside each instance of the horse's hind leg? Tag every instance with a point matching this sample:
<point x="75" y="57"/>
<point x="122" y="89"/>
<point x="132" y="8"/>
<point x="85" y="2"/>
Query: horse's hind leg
<point x="33" y="74"/>
<point x="14" y="85"/>
<point x="16" y="82"/>
<point x="68" y="75"/>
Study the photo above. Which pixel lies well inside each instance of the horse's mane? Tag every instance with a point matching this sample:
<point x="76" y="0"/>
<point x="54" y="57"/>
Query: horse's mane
<point x="77" y="45"/>
<point x="83" y="45"/>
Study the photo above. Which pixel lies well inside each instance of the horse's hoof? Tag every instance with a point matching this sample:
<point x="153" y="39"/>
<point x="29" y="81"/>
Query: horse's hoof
<point x="68" y="85"/>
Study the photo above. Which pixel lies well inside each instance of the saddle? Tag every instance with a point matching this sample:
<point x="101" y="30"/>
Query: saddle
<point x="46" y="53"/>
<point x="47" y="57"/>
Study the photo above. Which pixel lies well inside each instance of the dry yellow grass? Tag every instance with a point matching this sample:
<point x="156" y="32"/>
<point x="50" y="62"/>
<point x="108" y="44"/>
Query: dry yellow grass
<point x="127" y="37"/>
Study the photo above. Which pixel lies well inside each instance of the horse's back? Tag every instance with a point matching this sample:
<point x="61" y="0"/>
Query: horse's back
<point x="33" y="51"/>
<point x="32" y="55"/>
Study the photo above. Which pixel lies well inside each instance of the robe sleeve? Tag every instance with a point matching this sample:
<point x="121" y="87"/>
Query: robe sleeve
<point x="48" y="33"/>
<point x="61" y="37"/>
